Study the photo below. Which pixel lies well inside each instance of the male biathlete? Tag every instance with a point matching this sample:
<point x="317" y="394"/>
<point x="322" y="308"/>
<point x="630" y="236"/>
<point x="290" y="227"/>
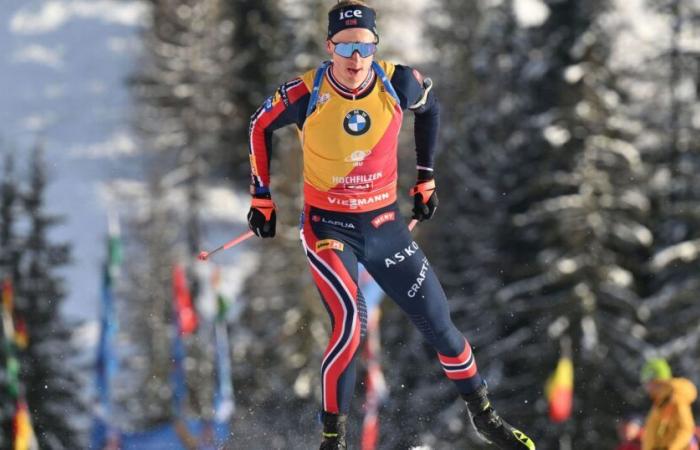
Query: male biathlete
<point x="349" y="113"/>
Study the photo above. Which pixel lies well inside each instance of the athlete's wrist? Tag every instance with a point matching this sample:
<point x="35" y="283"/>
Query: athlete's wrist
<point x="260" y="192"/>
<point x="424" y="174"/>
<point x="261" y="216"/>
<point x="425" y="199"/>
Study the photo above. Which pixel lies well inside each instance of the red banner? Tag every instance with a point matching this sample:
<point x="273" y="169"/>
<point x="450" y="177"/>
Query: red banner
<point x="186" y="315"/>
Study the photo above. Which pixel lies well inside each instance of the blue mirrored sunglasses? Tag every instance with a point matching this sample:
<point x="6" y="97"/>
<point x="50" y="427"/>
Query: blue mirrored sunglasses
<point x="346" y="49"/>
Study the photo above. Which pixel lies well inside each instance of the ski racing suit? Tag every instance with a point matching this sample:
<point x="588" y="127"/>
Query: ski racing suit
<point x="349" y="141"/>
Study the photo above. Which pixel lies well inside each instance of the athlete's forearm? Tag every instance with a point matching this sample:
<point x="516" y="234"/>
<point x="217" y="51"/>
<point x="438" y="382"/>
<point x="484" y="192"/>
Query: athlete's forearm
<point x="259" y="144"/>
<point x="425" y="130"/>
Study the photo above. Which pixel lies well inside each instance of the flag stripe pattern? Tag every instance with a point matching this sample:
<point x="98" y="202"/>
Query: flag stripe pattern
<point x="461" y="366"/>
<point x="339" y="293"/>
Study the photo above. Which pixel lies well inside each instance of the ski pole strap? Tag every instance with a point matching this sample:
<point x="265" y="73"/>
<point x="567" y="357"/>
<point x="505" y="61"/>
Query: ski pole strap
<point x="264" y="205"/>
<point x="318" y="78"/>
<point x="425" y="189"/>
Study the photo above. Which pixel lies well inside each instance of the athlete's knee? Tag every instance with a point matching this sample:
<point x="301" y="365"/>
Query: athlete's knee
<point x="449" y="341"/>
<point x="442" y="335"/>
<point x="353" y="329"/>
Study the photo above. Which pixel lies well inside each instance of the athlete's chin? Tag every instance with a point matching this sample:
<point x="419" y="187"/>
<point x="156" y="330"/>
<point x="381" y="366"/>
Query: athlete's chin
<point x="356" y="75"/>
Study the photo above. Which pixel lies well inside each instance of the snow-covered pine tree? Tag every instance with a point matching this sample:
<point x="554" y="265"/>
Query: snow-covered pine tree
<point x="143" y="392"/>
<point x="260" y="42"/>
<point x="671" y="142"/>
<point x="576" y="235"/>
<point x="9" y="255"/>
<point x="309" y="20"/>
<point x="182" y="91"/>
<point x="276" y="355"/>
<point x="48" y="371"/>
<point x="8" y="213"/>
<point x="556" y="183"/>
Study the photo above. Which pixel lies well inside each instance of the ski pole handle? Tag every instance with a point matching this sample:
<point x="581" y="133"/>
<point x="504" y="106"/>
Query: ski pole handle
<point x="203" y="255"/>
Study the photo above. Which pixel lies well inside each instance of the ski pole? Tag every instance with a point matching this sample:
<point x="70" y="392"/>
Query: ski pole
<point x="203" y="255"/>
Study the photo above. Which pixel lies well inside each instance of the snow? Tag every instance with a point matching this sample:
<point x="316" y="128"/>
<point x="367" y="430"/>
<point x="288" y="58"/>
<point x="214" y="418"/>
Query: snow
<point x="119" y="143"/>
<point x="556" y="135"/>
<point x="685" y="251"/>
<point x="395" y="21"/>
<point x="642" y="33"/>
<point x="574" y="73"/>
<point x="220" y="203"/>
<point x="530" y="13"/>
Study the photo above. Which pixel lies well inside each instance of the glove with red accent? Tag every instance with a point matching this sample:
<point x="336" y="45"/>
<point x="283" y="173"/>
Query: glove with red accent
<point x="261" y="216"/>
<point x="425" y="200"/>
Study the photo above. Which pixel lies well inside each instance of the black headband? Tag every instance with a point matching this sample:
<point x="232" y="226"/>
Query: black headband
<point x="353" y="16"/>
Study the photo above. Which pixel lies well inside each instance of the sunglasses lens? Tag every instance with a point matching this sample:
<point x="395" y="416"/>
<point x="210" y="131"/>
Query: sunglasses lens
<point x="366" y="49"/>
<point x="346" y="49"/>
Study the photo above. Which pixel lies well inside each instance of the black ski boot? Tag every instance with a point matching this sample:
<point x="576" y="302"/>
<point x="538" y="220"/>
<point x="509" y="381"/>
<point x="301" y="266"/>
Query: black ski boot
<point x="333" y="431"/>
<point x="491" y="427"/>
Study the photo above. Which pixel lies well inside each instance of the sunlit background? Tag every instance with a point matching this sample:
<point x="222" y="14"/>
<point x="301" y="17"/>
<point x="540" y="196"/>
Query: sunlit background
<point x="569" y="219"/>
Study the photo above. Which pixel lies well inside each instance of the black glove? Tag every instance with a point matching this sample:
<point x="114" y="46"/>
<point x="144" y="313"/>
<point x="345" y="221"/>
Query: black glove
<point x="261" y="216"/>
<point x="425" y="200"/>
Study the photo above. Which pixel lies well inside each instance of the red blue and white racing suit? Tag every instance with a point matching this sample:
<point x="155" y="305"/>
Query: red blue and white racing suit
<point x="349" y="140"/>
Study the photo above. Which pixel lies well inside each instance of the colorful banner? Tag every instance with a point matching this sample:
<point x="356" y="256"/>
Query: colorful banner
<point x="224" y="403"/>
<point x="184" y="310"/>
<point x="106" y="365"/>
<point x="24" y="438"/>
<point x="185" y="323"/>
<point x="7" y="309"/>
<point x="376" y="390"/>
<point x="560" y="391"/>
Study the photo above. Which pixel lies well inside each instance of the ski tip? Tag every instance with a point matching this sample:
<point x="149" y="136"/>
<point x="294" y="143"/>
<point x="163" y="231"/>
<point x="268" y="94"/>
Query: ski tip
<point x="203" y="256"/>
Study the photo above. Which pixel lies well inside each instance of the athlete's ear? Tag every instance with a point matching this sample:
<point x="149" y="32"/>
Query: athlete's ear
<point x="329" y="47"/>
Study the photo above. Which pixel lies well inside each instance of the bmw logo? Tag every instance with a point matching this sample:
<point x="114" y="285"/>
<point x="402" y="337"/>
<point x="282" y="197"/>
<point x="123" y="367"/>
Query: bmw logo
<point x="357" y="122"/>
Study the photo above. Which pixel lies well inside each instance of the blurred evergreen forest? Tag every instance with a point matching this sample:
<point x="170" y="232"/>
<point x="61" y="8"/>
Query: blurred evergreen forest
<point x="37" y="349"/>
<point x="569" y="183"/>
<point x="568" y="178"/>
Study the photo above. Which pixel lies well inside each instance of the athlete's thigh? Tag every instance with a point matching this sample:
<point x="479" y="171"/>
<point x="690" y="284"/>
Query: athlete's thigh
<point x="398" y="264"/>
<point x="332" y="259"/>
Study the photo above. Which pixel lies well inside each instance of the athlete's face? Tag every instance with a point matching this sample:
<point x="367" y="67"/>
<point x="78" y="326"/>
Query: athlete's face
<point x="351" y="71"/>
